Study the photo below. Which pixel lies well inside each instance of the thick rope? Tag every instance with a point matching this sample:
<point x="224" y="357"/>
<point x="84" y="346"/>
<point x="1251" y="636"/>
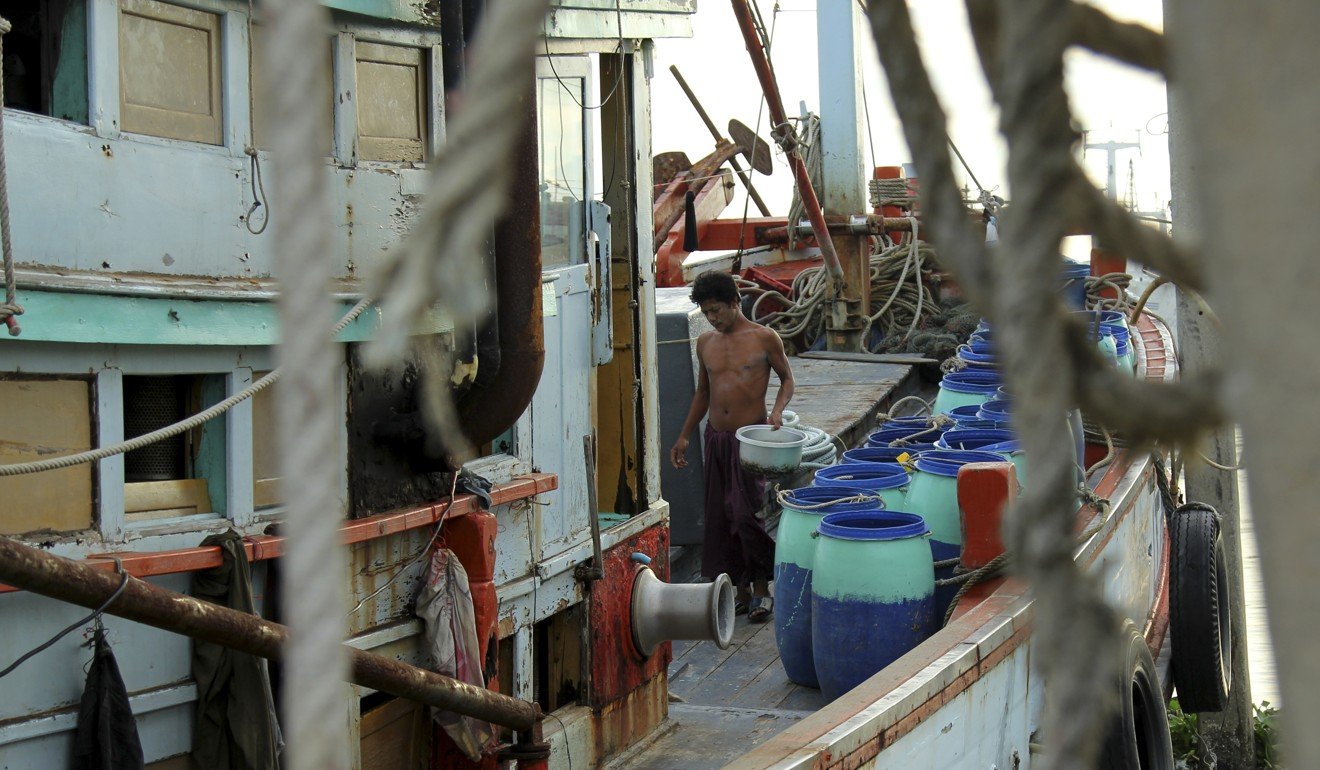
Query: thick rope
<point x="10" y="307"/>
<point x="309" y="419"/>
<point x="1044" y="352"/>
<point x="19" y="469"/>
<point x="807" y="145"/>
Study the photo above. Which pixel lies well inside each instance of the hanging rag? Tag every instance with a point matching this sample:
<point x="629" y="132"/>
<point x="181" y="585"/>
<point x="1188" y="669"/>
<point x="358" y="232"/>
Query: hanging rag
<point x="236" y="724"/>
<point x="445" y="604"/>
<point x="106" y="736"/>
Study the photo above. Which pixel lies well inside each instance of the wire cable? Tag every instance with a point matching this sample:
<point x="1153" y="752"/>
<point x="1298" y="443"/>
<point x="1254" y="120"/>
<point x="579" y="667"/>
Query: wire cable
<point x="96" y="614"/>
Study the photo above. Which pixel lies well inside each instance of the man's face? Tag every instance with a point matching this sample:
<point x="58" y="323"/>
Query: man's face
<point x="721" y="315"/>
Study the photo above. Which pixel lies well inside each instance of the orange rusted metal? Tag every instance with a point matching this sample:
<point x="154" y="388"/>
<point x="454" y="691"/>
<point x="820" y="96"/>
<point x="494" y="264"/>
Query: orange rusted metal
<point x="261" y="547"/>
<point x="985" y="490"/>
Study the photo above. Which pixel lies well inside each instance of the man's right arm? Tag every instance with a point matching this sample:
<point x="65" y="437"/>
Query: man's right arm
<point x="700" y="403"/>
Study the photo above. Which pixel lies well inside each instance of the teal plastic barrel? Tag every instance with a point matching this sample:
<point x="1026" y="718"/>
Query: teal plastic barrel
<point x="933" y="495"/>
<point x="969" y="386"/>
<point x="872" y="595"/>
<point x="795" y="552"/>
<point x="889" y="480"/>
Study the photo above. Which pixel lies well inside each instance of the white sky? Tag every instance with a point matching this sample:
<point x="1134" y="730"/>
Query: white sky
<point x="1112" y="101"/>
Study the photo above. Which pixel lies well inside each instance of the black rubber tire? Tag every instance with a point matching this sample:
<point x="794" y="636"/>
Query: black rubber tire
<point x="1138" y="735"/>
<point x="1199" y="624"/>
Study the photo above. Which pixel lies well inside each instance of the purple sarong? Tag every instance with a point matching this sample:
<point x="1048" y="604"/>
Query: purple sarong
<point x="735" y="539"/>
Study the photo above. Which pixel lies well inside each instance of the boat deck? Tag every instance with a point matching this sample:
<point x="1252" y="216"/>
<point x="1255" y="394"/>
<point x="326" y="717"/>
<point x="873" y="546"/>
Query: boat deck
<point x="724" y="702"/>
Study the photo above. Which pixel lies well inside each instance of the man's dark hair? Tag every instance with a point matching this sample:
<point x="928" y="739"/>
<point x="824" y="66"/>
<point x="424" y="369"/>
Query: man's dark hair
<point x="715" y="285"/>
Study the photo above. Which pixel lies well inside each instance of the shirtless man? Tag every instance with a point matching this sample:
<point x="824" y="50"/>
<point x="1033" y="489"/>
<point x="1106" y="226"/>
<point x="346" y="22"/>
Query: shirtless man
<point x="735" y="362"/>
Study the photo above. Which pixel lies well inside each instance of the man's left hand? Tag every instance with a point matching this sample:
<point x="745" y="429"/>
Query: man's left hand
<point x="777" y="419"/>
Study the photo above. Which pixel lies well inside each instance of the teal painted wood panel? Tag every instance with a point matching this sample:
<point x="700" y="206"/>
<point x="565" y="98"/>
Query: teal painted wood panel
<point x="118" y="320"/>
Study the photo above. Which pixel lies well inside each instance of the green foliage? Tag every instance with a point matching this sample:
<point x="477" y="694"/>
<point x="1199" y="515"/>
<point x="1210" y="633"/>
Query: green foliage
<point x="1267" y="737"/>
<point x="1191" y="752"/>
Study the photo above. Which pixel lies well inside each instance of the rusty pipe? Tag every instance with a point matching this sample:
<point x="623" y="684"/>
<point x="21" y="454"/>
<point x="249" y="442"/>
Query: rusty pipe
<point x="77" y="583"/>
<point x="764" y="73"/>
<point x="486" y="412"/>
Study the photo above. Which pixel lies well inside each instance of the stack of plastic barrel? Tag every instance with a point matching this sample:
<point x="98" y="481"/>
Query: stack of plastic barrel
<point x="1112" y="335"/>
<point x="859" y="552"/>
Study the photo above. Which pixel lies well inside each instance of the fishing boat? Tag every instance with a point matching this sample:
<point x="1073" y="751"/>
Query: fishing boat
<point x="135" y="148"/>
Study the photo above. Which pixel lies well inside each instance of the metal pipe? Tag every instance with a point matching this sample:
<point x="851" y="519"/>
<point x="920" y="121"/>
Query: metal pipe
<point x="779" y="119"/>
<point x="743" y="176"/>
<point x="77" y="583"/>
<point x="486" y="412"/>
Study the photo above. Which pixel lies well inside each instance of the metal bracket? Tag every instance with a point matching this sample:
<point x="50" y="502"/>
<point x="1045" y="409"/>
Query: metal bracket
<point x="599" y="249"/>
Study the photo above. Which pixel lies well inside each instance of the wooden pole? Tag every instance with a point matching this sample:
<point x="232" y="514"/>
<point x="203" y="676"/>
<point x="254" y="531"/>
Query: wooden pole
<point x="77" y="583"/>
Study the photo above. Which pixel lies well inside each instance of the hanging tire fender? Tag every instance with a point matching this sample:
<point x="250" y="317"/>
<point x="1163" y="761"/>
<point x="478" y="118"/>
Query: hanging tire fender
<point x="1199" y="622"/>
<point x="1137" y="735"/>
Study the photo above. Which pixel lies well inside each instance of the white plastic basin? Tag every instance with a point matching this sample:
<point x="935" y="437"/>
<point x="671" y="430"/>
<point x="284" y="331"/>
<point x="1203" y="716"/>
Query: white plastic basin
<point x="768" y="452"/>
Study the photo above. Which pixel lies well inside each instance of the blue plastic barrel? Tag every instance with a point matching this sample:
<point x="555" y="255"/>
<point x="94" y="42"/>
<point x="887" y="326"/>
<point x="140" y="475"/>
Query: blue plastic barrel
<point x="872" y="595"/>
<point x="1072" y="283"/>
<point x="970" y="438"/>
<point x="933" y="495"/>
<point x="977" y="359"/>
<point x="970" y="386"/>
<point x="888" y="480"/>
<point x="876" y="454"/>
<point x="965" y="412"/>
<point x="914" y="438"/>
<point x="1012" y="451"/>
<point x="1122" y="344"/>
<point x="997" y="409"/>
<point x="795" y="549"/>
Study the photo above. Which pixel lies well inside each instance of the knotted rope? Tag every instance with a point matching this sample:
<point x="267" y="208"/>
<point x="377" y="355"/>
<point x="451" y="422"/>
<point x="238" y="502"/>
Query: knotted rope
<point x="10" y="307"/>
<point x="1042" y="351"/>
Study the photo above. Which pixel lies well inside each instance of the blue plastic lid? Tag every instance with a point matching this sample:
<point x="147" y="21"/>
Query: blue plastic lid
<point x="875" y="454"/>
<point x="977" y="381"/>
<point x="964" y="412"/>
<point x="918" y="423"/>
<point x="981" y="424"/>
<point x="864" y="476"/>
<point x="815" y="496"/>
<point x="1006" y="447"/>
<point x="960" y="438"/>
<point x="877" y="525"/>
<point x="914" y="434"/>
<point x="946" y="462"/>
<point x="996" y="409"/>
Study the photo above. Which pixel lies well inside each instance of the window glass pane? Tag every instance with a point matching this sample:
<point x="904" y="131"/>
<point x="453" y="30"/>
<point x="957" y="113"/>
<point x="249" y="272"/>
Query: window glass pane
<point x="169" y="71"/>
<point x="45" y="66"/>
<point x="561" y="138"/>
<point x="391" y="102"/>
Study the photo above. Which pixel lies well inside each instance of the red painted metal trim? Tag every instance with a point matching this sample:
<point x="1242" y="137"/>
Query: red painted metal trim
<point x="765" y="73"/>
<point x="260" y="547"/>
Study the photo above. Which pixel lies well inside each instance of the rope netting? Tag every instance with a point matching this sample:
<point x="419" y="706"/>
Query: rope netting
<point x="1043" y="351"/>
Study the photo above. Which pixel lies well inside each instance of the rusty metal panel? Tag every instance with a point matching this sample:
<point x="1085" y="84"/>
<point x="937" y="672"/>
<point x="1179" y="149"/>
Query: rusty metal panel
<point x="375" y="563"/>
<point x="617" y="669"/>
